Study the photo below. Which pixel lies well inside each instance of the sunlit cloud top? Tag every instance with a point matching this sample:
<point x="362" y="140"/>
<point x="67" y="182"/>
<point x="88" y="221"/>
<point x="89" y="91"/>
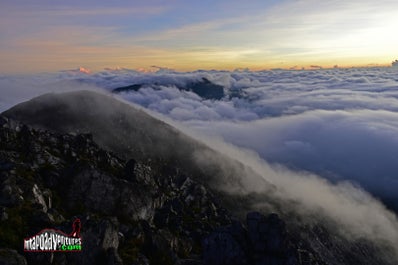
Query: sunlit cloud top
<point x="186" y="35"/>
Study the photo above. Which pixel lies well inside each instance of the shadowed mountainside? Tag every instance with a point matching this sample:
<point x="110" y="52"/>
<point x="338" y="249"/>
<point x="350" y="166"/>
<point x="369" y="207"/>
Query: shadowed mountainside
<point x="128" y="132"/>
<point x="131" y="212"/>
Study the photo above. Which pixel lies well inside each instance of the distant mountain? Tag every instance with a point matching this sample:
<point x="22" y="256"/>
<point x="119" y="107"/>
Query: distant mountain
<point x="134" y="87"/>
<point x="204" y="88"/>
<point x="147" y="193"/>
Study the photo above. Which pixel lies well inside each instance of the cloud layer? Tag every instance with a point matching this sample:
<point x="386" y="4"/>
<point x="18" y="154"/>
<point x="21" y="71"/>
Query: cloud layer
<point x="341" y="124"/>
<point x="300" y="130"/>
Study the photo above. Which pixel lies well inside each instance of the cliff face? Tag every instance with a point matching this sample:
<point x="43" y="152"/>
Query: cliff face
<point x="132" y="212"/>
<point x="141" y="196"/>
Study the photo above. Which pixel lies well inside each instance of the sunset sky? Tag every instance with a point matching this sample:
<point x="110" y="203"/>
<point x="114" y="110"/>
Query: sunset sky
<point x="49" y="35"/>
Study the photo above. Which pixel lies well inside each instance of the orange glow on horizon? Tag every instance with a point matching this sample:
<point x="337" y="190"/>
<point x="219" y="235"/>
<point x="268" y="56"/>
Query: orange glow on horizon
<point x="84" y="70"/>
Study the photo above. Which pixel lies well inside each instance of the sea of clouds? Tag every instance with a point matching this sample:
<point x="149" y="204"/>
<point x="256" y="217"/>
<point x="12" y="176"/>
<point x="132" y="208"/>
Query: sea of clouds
<point x="341" y="124"/>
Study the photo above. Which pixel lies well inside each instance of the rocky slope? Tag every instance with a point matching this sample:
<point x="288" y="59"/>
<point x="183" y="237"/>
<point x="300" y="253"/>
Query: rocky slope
<point x="146" y="193"/>
<point x="132" y="212"/>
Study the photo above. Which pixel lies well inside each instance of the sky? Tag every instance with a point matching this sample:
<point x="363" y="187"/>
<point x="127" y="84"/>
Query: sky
<point x="48" y="35"/>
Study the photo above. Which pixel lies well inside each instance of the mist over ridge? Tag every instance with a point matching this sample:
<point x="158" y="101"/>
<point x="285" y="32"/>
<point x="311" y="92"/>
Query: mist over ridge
<point x="352" y="212"/>
<point x="338" y="123"/>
